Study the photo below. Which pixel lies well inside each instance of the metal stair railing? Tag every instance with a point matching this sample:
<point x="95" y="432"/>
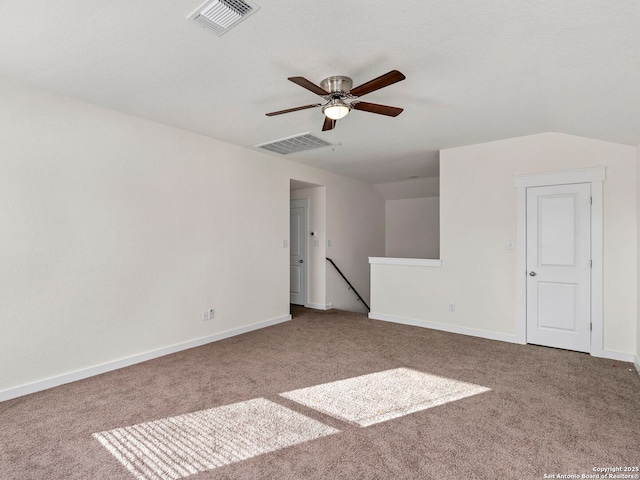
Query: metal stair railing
<point x="360" y="299"/>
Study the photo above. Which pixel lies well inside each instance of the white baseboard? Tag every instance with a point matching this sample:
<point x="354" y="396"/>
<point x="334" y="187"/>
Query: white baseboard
<point x="619" y="356"/>
<point x="318" y="306"/>
<point x="445" y="328"/>
<point x="126" y="362"/>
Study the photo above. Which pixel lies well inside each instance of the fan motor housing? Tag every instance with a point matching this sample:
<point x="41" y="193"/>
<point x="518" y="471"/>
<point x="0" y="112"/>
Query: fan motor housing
<point x="337" y="84"/>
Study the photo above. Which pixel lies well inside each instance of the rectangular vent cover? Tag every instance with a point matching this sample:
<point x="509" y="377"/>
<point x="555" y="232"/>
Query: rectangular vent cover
<point x="296" y="143"/>
<point x="222" y="15"/>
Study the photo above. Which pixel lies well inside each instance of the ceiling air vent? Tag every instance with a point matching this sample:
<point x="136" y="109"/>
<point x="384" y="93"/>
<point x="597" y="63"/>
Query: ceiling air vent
<point x="222" y="15"/>
<point x="296" y="143"/>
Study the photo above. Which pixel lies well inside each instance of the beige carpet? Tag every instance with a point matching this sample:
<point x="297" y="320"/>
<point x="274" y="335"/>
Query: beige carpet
<point x="176" y="447"/>
<point x="536" y="411"/>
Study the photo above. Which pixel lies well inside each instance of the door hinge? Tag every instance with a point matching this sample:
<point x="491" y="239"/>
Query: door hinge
<point x="591" y="327"/>
<point x="591" y="200"/>
<point x="591" y="263"/>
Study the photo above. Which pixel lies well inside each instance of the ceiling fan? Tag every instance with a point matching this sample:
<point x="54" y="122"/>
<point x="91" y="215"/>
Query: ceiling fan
<point x="341" y="98"/>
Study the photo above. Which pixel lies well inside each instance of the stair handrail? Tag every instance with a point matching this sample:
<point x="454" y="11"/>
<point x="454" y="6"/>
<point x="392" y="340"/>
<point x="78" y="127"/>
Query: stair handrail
<point x="349" y="283"/>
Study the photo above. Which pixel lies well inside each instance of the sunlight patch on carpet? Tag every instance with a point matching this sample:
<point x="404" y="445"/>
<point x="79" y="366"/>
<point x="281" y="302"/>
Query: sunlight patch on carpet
<point x="176" y="447"/>
<point x="378" y="397"/>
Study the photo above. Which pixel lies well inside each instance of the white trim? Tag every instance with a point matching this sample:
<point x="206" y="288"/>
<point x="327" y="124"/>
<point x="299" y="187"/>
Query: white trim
<point x="420" y="262"/>
<point x="445" y="328"/>
<point x="619" y="356"/>
<point x="318" y="306"/>
<point x="596" y="177"/>
<point x="303" y="203"/>
<point x="597" y="272"/>
<point x="521" y="239"/>
<point x="582" y="175"/>
<point x="126" y="362"/>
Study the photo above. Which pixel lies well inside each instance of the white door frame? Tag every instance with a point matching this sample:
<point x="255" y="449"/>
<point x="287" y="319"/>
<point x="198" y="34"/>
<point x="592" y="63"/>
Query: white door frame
<point x="595" y="176"/>
<point x="304" y="204"/>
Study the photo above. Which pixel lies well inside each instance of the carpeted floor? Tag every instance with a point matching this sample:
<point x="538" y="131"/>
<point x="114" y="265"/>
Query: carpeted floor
<point x="519" y="412"/>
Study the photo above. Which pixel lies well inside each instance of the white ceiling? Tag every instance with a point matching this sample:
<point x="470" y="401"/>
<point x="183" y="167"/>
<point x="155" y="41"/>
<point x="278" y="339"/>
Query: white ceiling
<point x="477" y="70"/>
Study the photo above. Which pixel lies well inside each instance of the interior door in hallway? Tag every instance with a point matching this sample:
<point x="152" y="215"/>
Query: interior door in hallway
<point x="559" y="266"/>
<point x="298" y="251"/>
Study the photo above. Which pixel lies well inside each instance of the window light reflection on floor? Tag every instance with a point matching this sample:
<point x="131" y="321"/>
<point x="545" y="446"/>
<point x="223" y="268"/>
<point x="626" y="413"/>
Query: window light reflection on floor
<point x="381" y="396"/>
<point x="175" y="447"/>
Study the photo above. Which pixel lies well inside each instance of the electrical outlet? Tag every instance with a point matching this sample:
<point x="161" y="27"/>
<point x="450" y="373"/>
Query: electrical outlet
<point x="205" y="316"/>
<point x="210" y="314"/>
<point x="452" y="307"/>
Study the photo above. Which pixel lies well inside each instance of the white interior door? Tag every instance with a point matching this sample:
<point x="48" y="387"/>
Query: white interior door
<point x="559" y="266"/>
<point x="298" y="251"/>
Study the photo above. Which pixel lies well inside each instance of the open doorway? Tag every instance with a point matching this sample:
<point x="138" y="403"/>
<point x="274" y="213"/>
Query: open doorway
<point x="307" y="242"/>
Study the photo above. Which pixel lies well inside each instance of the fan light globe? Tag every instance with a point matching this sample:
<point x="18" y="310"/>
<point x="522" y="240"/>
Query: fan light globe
<point x="336" y="110"/>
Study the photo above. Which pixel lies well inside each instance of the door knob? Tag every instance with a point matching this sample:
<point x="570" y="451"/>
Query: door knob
<point x="533" y="274"/>
<point x="300" y="261"/>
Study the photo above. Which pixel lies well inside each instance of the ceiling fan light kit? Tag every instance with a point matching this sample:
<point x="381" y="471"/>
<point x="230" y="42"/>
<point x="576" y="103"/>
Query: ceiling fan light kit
<point x="341" y="98"/>
<point x="336" y="109"/>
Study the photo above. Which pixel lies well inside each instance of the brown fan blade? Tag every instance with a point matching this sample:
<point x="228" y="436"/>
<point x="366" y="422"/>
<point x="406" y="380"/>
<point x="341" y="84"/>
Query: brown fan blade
<point x="328" y="124"/>
<point x="288" y="110"/>
<point x="377" y="83"/>
<point x="375" y="108"/>
<point x="312" y="87"/>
